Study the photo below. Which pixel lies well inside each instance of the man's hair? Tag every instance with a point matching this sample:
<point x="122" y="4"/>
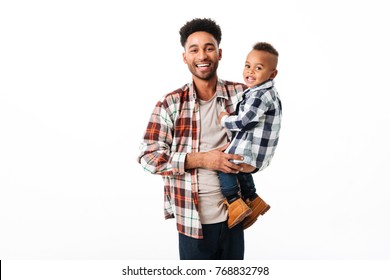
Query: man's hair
<point x="200" y="24"/>
<point x="263" y="46"/>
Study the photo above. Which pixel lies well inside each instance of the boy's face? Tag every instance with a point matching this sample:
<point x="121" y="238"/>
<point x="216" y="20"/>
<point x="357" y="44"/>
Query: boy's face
<point x="260" y="66"/>
<point x="201" y="54"/>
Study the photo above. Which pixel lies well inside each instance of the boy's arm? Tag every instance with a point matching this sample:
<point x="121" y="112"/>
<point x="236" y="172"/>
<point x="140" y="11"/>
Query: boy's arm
<point x="222" y="116"/>
<point x="255" y="107"/>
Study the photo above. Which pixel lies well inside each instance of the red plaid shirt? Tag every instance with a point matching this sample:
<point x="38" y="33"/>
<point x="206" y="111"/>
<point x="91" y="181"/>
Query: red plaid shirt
<point x="172" y="132"/>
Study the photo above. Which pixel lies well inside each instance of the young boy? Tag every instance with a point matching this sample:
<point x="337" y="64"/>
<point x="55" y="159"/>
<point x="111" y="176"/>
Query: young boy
<point x="255" y="127"/>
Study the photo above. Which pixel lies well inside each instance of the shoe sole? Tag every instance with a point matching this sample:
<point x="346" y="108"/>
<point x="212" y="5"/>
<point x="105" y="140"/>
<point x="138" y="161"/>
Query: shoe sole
<point x="248" y="224"/>
<point x="240" y="219"/>
<point x="265" y="210"/>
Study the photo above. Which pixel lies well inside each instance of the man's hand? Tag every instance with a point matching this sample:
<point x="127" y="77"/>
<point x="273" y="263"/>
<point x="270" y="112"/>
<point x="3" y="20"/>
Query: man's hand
<point x="214" y="160"/>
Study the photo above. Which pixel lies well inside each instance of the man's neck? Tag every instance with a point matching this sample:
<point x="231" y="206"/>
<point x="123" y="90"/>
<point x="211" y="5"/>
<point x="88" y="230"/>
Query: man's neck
<point x="205" y="90"/>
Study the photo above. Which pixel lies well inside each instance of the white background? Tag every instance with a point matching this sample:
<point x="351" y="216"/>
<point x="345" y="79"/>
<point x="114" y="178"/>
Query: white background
<point x="78" y="80"/>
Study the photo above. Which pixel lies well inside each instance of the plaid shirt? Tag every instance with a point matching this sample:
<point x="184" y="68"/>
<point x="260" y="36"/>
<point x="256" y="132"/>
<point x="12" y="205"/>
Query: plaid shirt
<point x="172" y="132"/>
<point x="256" y="125"/>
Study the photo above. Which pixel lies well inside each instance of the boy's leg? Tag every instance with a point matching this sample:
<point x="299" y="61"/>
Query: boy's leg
<point x="229" y="185"/>
<point x="247" y="185"/>
<point x="254" y="202"/>
<point x="237" y="208"/>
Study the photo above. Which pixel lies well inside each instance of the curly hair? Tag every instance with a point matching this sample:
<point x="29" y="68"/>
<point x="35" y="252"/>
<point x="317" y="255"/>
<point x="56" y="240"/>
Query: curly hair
<point x="200" y="24"/>
<point x="263" y="46"/>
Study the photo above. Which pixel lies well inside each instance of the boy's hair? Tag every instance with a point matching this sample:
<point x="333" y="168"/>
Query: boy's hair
<point x="200" y="24"/>
<point x="263" y="46"/>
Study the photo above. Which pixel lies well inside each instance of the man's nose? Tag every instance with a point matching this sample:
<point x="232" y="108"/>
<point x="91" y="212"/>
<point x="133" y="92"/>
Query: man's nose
<point x="202" y="54"/>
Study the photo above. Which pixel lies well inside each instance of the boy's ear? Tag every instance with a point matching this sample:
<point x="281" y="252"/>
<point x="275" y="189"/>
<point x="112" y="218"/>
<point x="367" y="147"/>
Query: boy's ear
<point x="274" y="73"/>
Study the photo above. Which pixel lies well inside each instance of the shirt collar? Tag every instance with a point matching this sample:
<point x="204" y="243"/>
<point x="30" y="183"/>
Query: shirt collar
<point x="265" y="85"/>
<point x="220" y="90"/>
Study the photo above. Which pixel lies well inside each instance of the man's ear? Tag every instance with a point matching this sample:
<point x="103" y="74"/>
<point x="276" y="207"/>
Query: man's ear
<point x="220" y="54"/>
<point x="184" y="57"/>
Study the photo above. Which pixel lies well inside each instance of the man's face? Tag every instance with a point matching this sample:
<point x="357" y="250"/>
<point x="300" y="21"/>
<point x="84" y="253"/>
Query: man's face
<point x="201" y="54"/>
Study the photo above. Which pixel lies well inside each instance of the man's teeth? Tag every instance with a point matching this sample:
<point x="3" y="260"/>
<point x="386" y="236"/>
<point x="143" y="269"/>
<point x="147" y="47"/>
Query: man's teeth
<point x="203" y="65"/>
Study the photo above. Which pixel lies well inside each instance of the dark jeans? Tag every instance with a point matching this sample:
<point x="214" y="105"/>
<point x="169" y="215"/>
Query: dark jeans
<point x="229" y="184"/>
<point x="218" y="243"/>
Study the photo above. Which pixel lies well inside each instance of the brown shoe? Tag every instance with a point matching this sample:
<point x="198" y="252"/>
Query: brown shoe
<point x="237" y="211"/>
<point x="258" y="207"/>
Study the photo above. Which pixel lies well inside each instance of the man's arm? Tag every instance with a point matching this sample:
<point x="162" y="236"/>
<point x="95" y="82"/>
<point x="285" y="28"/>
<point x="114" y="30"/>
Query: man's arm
<point x="155" y="150"/>
<point x="213" y="160"/>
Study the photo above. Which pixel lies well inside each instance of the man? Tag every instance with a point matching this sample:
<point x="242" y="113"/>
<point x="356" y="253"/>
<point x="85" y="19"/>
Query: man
<point x="184" y="143"/>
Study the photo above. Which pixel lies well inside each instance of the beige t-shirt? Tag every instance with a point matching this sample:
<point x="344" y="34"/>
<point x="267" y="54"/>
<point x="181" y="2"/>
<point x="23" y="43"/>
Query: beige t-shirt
<point x="212" y="135"/>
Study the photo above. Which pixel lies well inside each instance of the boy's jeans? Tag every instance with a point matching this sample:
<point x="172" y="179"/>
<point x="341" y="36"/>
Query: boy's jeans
<point x="232" y="183"/>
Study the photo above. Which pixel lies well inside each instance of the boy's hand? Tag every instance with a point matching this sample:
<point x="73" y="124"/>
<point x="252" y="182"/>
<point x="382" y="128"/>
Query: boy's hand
<point x="221" y="115"/>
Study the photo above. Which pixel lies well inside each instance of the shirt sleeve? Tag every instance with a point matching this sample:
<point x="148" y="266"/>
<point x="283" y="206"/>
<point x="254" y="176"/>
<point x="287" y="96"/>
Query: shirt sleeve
<point x="156" y="156"/>
<point x="249" y="113"/>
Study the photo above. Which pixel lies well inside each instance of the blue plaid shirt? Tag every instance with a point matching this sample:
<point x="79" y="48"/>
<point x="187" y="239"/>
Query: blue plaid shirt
<point x="256" y="125"/>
